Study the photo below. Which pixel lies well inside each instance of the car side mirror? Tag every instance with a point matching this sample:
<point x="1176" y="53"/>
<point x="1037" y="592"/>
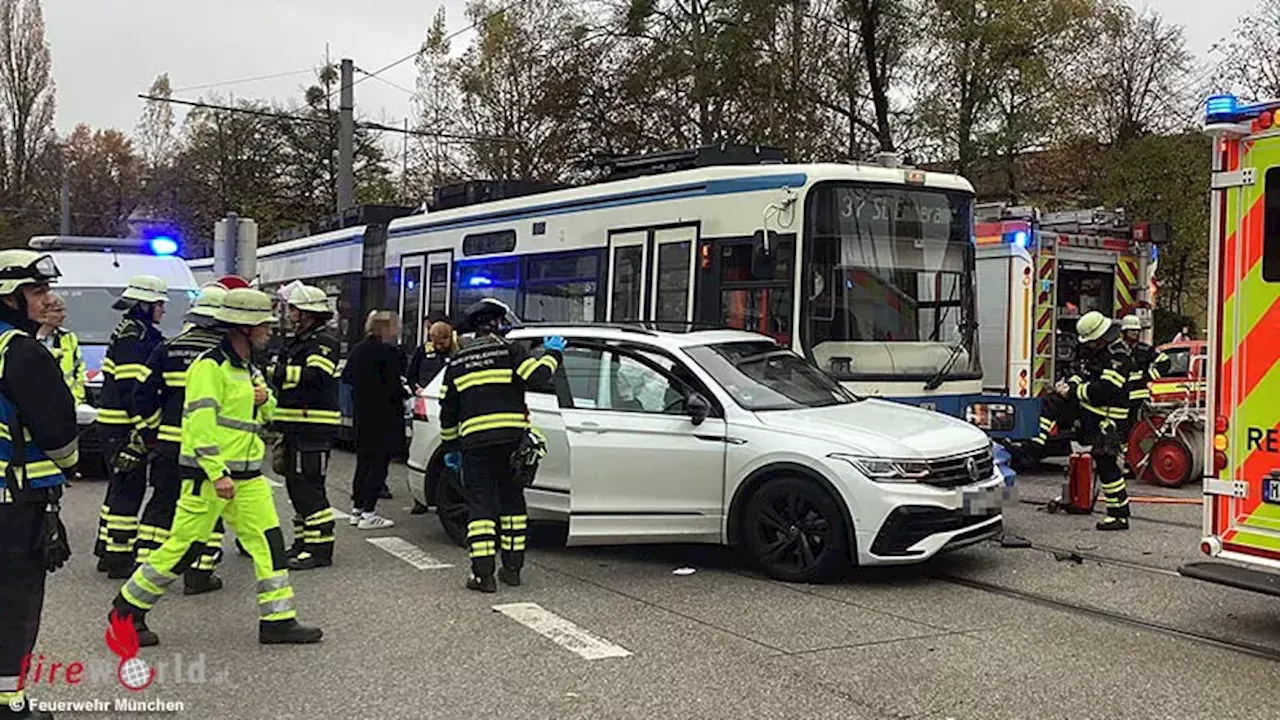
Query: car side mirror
<point x="698" y="407"/>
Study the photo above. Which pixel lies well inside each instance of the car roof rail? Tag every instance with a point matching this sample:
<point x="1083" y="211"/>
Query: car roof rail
<point x="624" y="326"/>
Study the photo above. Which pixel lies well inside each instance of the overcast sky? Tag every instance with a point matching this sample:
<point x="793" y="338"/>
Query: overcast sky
<point x="105" y="52"/>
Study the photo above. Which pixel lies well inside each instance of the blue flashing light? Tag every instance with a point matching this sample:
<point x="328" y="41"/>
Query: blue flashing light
<point x="479" y="281"/>
<point x="1020" y="238"/>
<point x="163" y="245"/>
<point x="1222" y="106"/>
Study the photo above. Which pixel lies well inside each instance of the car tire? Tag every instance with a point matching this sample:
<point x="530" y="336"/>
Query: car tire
<point x="795" y="532"/>
<point x="451" y="505"/>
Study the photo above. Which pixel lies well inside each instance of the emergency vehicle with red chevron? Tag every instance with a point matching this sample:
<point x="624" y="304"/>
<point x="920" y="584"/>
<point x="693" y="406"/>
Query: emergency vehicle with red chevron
<point x="1242" y="489"/>
<point x="1037" y="273"/>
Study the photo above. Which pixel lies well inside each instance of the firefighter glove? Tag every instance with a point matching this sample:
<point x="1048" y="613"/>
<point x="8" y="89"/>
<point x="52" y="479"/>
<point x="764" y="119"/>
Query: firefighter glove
<point x="555" y="342"/>
<point x="57" y="549"/>
<point x="133" y="455"/>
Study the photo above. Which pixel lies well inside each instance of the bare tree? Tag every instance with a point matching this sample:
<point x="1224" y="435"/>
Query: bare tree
<point x="26" y="95"/>
<point x="1141" y="75"/>
<point x="154" y="134"/>
<point x="1250" y="61"/>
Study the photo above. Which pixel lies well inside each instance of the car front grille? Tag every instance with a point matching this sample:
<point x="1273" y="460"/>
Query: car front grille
<point x="961" y="469"/>
<point x="909" y="524"/>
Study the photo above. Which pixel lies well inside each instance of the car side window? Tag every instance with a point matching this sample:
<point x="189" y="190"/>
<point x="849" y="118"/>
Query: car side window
<point x="638" y="387"/>
<point x="583" y="368"/>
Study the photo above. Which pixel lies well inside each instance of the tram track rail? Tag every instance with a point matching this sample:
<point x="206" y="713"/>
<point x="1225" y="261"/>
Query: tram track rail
<point x="1264" y="652"/>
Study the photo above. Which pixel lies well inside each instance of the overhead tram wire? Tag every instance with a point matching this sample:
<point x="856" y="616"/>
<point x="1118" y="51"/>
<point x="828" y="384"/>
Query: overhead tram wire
<point x="241" y="81"/>
<point x="385" y="81"/>
<point x="418" y="51"/>
<point x="321" y="121"/>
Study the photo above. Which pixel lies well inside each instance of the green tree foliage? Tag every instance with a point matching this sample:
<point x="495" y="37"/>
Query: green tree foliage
<point x="28" y="144"/>
<point x="104" y="177"/>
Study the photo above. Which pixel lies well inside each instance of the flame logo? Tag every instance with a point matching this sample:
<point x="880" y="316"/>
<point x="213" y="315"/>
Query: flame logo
<point x="133" y="672"/>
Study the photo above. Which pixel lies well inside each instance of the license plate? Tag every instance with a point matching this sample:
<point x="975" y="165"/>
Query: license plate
<point x="1271" y="490"/>
<point x="981" y="501"/>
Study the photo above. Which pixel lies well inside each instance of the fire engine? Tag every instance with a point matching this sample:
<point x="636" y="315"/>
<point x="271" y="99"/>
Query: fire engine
<point x="1242" y="489"/>
<point x="1037" y="274"/>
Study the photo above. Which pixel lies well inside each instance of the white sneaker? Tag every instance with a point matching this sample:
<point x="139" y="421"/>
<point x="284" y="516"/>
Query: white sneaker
<point x="373" y="521"/>
<point x="356" y="514"/>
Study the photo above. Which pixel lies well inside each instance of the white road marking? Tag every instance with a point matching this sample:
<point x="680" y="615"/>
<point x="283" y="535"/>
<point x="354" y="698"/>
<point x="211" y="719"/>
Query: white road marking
<point x="408" y="552"/>
<point x="274" y="483"/>
<point x="339" y="515"/>
<point x="561" y="631"/>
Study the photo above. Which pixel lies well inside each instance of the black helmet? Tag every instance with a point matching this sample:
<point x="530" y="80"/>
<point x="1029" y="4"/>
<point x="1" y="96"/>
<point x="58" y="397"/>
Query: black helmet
<point x="487" y="311"/>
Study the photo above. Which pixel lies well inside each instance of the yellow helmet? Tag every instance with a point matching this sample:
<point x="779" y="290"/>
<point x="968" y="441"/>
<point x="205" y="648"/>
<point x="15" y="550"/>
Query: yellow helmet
<point x="1092" y="325"/>
<point x="209" y="300"/>
<point x="245" y="307"/>
<point x="25" y="267"/>
<point x="1131" y="322"/>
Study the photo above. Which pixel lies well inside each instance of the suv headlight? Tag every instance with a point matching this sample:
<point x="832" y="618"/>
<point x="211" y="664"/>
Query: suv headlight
<point x="885" y="470"/>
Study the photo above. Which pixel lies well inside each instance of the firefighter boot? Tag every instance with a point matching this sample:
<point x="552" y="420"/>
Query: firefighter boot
<point x="287" y="632"/>
<point x="146" y="637"/>
<point x="509" y="576"/>
<point x="482" y="584"/>
<point x="197" y="582"/>
<point x="307" y="560"/>
<point x="1110" y="522"/>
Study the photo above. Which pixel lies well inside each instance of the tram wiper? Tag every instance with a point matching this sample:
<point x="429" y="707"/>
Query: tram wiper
<point x="935" y="381"/>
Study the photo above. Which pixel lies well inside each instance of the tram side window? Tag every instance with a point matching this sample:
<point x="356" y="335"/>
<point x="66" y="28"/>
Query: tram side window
<point x="1271" y="227"/>
<point x="487" y="278"/>
<point x="438" y="288"/>
<point x="409" y="324"/>
<point x="562" y="287"/>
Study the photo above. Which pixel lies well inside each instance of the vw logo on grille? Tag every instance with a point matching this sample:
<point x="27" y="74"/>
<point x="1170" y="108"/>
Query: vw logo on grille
<point x="971" y="465"/>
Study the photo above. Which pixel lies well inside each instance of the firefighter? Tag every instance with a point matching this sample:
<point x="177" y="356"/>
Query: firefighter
<point x="1096" y="403"/>
<point x="221" y="458"/>
<point x="484" y="423"/>
<point x="165" y="390"/>
<point x="64" y="345"/>
<point x="128" y="436"/>
<point x="431" y="357"/>
<point x="306" y="377"/>
<point x="34" y="403"/>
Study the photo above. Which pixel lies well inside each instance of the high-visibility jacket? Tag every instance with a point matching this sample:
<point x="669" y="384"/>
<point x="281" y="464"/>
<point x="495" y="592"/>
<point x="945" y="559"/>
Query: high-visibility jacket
<point x="1104" y="390"/>
<point x="34" y="398"/>
<point x="65" y="347"/>
<point x="124" y="366"/>
<point x="483" y="392"/>
<point x="220" y="423"/>
<point x="164" y="389"/>
<point x="306" y="377"/>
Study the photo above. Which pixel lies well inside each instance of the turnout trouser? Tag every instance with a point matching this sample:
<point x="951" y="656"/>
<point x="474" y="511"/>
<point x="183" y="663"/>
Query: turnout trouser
<point x="307" y="462"/>
<point x="22" y="576"/>
<point x="118" y="521"/>
<point x="251" y="515"/>
<point x="157" y="518"/>
<point x="1105" y="438"/>
<point x="496" y="508"/>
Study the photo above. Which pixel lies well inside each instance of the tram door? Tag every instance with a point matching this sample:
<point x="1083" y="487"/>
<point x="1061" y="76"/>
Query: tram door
<point x="651" y="275"/>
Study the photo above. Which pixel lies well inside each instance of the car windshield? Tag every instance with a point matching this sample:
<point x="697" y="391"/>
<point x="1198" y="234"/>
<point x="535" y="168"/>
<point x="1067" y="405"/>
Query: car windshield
<point x="760" y="375"/>
<point x="91" y="318"/>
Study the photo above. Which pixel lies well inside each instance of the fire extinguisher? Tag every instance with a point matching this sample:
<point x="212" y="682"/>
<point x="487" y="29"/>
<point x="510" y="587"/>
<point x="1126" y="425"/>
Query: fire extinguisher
<point x="1078" y="491"/>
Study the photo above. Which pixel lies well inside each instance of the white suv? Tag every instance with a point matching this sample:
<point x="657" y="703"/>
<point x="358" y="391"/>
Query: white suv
<point x="725" y="437"/>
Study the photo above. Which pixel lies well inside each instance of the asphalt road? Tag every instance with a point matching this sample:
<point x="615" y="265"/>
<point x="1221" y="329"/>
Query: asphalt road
<point x="984" y="634"/>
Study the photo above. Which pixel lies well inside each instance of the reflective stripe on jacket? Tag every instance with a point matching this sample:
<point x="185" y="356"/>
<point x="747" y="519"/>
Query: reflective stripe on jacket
<point x="42" y="468"/>
<point x="220" y="423"/>
<point x="306" y="378"/>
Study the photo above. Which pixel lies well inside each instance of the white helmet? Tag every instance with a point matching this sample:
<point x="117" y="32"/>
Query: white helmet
<point x="1131" y="322"/>
<point x="310" y="298"/>
<point x="143" y="289"/>
<point x="25" y="267"/>
<point x="1092" y="325"/>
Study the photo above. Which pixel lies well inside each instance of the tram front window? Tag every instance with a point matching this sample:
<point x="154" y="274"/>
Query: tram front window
<point x="889" y="283"/>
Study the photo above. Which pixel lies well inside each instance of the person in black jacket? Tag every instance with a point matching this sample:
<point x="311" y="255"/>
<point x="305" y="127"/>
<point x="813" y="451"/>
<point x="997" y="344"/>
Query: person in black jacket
<point x="165" y="390"/>
<point x="483" y="422"/>
<point x="129" y="436"/>
<point x="375" y="371"/>
<point x="305" y="378"/>
<point x="34" y="400"/>
<point x="431" y="357"/>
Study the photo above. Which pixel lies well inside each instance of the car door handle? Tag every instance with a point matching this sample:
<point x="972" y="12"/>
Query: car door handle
<point x="588" y="427"/>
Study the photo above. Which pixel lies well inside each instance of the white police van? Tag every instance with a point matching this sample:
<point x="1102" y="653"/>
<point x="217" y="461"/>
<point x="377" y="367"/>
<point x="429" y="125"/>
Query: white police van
<point x="95" y="272"/>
